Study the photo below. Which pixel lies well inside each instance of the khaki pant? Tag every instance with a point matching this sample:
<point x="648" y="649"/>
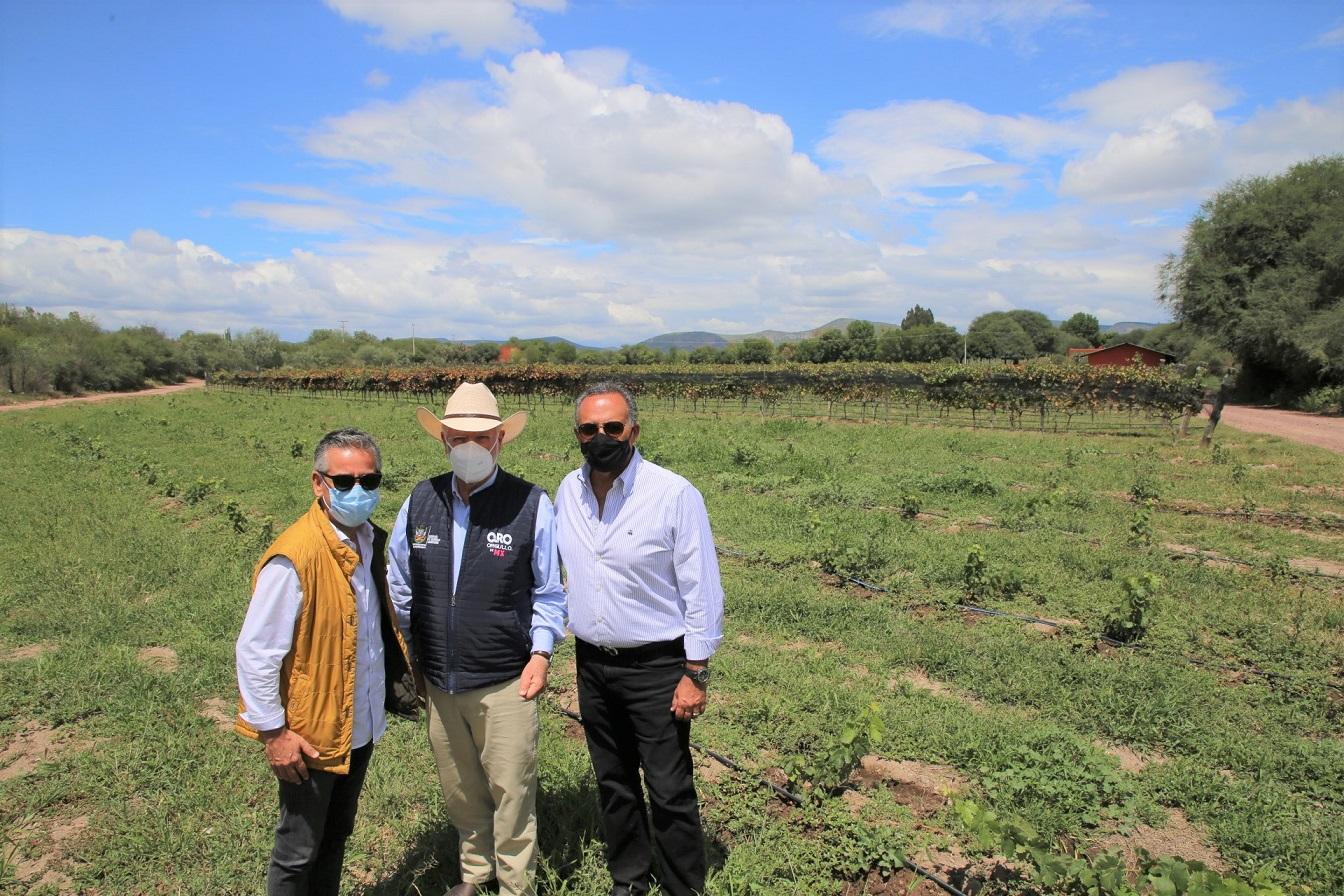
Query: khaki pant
<point x="485" y="745"/>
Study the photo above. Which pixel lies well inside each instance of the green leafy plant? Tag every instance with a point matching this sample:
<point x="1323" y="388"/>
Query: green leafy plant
<point x="1141" y="532"/>
<point x="822" y="773"/>
<point x="201" y="489"/>
<point x="1130" y="619"/>
<point x="1077" y="873"/>
<point x="1145" y="490"/>
<point x="910" y="506"/>
<point x="981" y="583"/>
<point x="296" y="450"/>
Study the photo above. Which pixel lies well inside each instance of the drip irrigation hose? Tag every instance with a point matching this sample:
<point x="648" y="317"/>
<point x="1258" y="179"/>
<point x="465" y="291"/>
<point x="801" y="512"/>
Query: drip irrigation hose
<point x="788" y="795"/>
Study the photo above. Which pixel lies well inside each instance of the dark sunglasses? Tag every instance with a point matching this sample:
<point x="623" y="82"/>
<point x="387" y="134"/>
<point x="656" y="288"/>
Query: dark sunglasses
<point x="343" y="482"/>
<point x="613" y="428"/>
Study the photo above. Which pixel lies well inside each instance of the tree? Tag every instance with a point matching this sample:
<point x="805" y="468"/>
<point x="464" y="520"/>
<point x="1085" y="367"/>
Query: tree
<point x="1038" y="329"/>
<point x="929" y="342"/>
<point x="862" y="338"/>
<point x="998" y="335"/>
<point x="1084" y="326"/>
<point x="1262" y="274"/>
<point x="755" y="351"/>
<point x="917" y="316"/>
<point x="260" y="348"/>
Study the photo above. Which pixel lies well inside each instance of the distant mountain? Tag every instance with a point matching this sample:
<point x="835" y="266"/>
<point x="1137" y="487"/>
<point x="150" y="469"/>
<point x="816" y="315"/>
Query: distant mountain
<point x="1125" y="326"/>
<point x="688" y="341"/>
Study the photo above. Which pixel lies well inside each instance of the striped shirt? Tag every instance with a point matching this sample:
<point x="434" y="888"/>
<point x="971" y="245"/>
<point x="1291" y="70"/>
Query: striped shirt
<point x="645" y="569"/>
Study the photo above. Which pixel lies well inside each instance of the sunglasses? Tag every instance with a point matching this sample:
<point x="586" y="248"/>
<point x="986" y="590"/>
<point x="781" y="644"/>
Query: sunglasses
<point x="613" y="428"/>
<point x="343" y="482"/>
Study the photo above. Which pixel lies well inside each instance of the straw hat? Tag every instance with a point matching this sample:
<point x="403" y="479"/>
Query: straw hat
<point x="471" y="408"/>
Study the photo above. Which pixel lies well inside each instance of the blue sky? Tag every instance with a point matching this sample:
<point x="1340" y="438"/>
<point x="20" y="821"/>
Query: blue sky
<point x="608" y="171"/>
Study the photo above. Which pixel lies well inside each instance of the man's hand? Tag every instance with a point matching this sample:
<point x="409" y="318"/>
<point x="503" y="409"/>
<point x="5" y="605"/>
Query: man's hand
<point x="285" y="751"/>
<point x="689" y="700"/>
<point x="533" y="681"/>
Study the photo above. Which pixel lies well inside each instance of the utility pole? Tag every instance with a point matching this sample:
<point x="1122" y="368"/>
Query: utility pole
<point x="965" y="341"/>
<point x="342" y="328"/>
<point x="412" y="342"/>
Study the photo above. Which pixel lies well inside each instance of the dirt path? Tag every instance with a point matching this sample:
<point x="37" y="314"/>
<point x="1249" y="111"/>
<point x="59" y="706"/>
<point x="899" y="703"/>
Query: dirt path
<point x="101" y="396"/>
<point x="1295" y="426"/>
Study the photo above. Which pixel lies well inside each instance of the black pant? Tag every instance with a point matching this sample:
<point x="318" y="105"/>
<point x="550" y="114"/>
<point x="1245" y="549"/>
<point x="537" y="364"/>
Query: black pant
<point x="626" y="703"/>
<point x="316" y="818"/>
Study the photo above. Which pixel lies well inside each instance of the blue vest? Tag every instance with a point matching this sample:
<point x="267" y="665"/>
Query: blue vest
<point x="481" y="634"/>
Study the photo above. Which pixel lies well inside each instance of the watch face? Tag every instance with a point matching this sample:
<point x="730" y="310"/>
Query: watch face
<point x="699" y="676"/>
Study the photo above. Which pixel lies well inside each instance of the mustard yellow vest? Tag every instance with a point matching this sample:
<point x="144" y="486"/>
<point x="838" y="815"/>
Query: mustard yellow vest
<point x="317" y="678"/>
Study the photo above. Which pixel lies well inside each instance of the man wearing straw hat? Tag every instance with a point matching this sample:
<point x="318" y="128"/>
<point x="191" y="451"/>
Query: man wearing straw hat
<point x="475" y="579"/>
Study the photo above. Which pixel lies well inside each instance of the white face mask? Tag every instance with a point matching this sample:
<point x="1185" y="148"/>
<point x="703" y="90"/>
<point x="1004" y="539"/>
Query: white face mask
<point x="471" y="463"/>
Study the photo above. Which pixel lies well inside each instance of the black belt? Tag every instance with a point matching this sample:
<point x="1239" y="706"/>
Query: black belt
<point x="637" y="654"/>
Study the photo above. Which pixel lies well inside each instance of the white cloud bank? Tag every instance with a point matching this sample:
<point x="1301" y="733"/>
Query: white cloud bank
<point x="976" y="21"/>
<point x="625" y="211"/>
<point x="473" y="26"/>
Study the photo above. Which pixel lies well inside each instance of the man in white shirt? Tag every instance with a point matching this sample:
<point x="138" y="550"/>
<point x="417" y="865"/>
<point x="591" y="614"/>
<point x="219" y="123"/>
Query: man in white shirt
<point x="318" y="660"/>
<point x="646" y="610"/>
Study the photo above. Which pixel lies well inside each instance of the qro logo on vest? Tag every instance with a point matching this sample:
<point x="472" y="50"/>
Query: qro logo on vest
<point x="498" y="543"/>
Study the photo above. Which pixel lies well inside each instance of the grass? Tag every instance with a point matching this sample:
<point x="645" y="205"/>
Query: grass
<point x="136" y="524"/>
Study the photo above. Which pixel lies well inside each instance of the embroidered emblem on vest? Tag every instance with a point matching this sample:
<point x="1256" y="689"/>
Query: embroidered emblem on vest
<point x="498" y="543"/>
<point x="423" y="538"/>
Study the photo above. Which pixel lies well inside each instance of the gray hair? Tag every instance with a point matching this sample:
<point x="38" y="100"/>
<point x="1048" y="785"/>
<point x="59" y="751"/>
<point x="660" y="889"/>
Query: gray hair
<point x="346" y="438"/>
<point x="606" y="388"/>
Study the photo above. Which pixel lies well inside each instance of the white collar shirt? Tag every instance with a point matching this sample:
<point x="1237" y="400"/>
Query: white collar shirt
<point x="643" y="569"/>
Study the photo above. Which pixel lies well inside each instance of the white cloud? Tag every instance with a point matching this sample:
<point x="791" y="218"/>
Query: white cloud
<point x="974" y="20"/>
<point x="1287" y="132"/>
<point x="377" y="79"/>
<point x="1332" y="38"/>
<point x="473" y="26"/>
<point x="909" y="146"/>
<point x="582" y="158"/>
<point x="1168" y="157"/>
<point x="1141" y="96"/>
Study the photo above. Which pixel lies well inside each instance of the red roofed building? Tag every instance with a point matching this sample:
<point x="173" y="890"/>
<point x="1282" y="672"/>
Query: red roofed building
<point x="1121" y="354"/>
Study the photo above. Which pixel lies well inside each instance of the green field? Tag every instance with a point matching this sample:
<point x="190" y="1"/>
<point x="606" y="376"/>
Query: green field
<point x="134" y="525"/>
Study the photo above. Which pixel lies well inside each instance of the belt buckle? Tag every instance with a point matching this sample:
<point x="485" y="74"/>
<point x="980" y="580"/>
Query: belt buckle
<point x="609" y="651"/>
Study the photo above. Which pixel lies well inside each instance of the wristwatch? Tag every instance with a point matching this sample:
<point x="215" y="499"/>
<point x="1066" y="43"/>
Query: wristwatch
<point x="699" y="676"/>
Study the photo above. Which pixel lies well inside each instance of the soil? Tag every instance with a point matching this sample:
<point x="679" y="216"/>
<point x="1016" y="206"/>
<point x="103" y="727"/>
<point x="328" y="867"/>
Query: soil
<point x="27" y="652"/>
<point x="921" y="786"/>
<point x="1325" y="567"/>
<point x="1204" y="557"/>
<point x="1295" y="426"/>
<point x="38" y="871"/>
<point x="1130" y="760"/>
<point x="162" y="659"/>
<point x="32" y="745"/>
<point x="1178" y="837"/>
<point x="920" y="680"/>
<point x="219" y="711"/>
<point x="102" y="396"/>
<point x="902" y="883"/>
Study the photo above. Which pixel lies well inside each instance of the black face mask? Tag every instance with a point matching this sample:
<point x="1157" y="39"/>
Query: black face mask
<point x="605" y="454"/>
